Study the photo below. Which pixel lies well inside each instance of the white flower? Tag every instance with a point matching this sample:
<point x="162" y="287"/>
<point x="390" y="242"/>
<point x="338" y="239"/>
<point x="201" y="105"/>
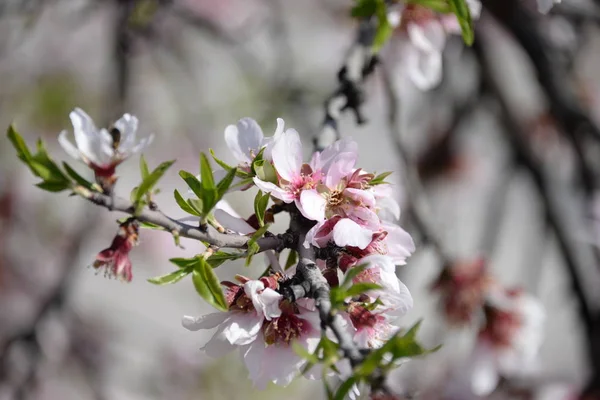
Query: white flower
<point x="271" y="357"/>
<point x="509" y="342"/>
<point x="100" y="149"/>
<point x="246" y="139"/>
<point x="250" y="305"/>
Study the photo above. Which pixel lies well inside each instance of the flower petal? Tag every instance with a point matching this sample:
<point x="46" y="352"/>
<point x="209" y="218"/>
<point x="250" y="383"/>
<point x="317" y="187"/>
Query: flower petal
<point x="244" y="139"/>
<point x="208" y="321"/>
<point x="274" y="190"/>
<point x="312" y="205"/>
<point x="242" y="327"/>
<point x="287" y="155"/>
<point x="127" y="126"/>
<point x="348" y="233"/>
<point x="68" y="146"/>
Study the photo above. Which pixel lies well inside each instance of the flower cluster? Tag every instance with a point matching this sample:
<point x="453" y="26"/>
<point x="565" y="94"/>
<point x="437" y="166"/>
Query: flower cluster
<point x="349" y="211"/>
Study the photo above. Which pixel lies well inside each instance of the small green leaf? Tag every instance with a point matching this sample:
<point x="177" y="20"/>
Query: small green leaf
<point x="225" y="183"/>
<point x="260" y="206"/>
<point x="151" y="180"/>
<point x="183" y="204"/>
<point x="384" y="28"/>
<point x="364" y="8"/>
<point x="219" y="257"/>
<point x="242" y="183"/>
<point x="173" y="277"/>
<point x="192" y="182"/>
<point x="54" y="186"/>
<point x="223" y="164"/>
<point x="206" y="175"/>
<point x="440" y="6"/>
<point x="352" y="273"/>
<point x="291" y="260"/>
<point x="144" y="167"/>
<point x="461" y="9"/>
<point x="360" y="288"/>
<point x="265" y="171"/>
<point x="77" y="178"/>
<point x="305" y="354"/>
<point x="208" y="286"/>
<point x="379" y="179"/>
<point x="344" y="388"/>
<point x="184" y="262"/>
<point x="19" y="144"/>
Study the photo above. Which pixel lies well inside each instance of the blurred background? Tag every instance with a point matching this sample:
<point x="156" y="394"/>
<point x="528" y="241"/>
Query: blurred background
<point x="505" y="154"/>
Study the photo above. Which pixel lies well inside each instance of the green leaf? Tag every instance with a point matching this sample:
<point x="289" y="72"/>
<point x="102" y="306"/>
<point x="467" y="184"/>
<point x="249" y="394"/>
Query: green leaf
<point x="360" y="288"/>
<point x="260" y="206"/>
<point x="192" y="182"/>
<point x="173" y="277"/>
<point x="144" y="167"/>
<point x="54" y="186"/>
<point x="380" y="179"/>
<point x="77" y="178"/>
<point x="219" y="257"/>
<point x="19" y="144"/>
<point x="305" y="354"/>
<point x="151" y="180"/>
<point x="183" y="204"/>
<point x="265" y="171"/>
<point x="225" y="183"/>
<point x="364" y="8"/>
<point x="291" y="260"/>
<point x="206" y="175"/>
<point x="253" y="247"/>
<point x="352" y="273"/>
<point x="208" y="286"/>
<point x="198" y="206"/>
<point x="344" y="388"/>
<point x="242" y="183"/>
<point x="45" y="167"/>
<point x="440" y="6"/>
<point x="221" y="163"/>
<point x="184" y="262"/>
<point x="461" y="9"/>
<point x="384" y="28"/>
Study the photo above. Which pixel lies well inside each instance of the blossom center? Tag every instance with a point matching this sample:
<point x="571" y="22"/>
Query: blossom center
<point x="285" y="329"/>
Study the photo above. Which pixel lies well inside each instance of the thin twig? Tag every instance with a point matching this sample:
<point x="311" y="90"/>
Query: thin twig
<point x="210" y="235"/>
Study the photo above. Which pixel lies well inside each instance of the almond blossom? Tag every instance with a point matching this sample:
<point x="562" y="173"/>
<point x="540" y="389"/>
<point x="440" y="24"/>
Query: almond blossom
<point x="115" y="259"/>
<point x="102" y="150"/>
<point x="250" y="305"/>
<point x="509" y="341"/>
<point x="271" y="357"/>
<point x="424" y="37"/>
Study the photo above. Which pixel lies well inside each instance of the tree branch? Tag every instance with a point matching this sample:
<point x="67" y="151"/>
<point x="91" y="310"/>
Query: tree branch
<point x="208" y="235"/>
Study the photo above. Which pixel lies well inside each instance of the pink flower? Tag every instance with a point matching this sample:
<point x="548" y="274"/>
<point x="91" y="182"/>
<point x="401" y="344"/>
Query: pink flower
<point x="341" y="231"/>
<point x="271" y="357"/>
<point x="115" y="259"/>
<point x="250" y="305"/>
<point x="102" y="150"/>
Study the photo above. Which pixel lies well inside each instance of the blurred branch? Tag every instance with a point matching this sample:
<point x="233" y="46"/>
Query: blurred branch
<point x="55" y="300"/>
<point x="556" y="203"/>
<point x="359" y="64"/>
<point x="564" y="104"/>
<point x="419" y="211"/>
